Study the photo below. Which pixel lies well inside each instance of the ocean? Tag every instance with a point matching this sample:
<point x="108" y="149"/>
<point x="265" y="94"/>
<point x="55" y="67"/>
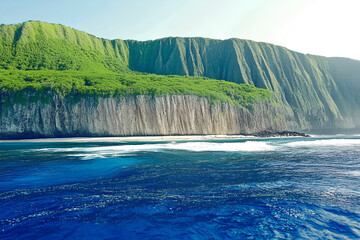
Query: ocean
<point x="236" y="188"/>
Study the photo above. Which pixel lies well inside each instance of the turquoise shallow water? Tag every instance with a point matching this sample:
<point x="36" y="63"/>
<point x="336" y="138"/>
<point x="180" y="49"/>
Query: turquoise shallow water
<point x="215" y="189"/>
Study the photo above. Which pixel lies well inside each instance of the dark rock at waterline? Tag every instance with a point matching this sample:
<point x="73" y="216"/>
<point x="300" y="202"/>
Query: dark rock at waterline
<point x="280" y="134"/>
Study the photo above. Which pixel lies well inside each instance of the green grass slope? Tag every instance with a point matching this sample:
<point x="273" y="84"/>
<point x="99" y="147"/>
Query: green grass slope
<point x="37" y="46"/>
<point x="14" y="82"/>
<point x="43" y="57"/>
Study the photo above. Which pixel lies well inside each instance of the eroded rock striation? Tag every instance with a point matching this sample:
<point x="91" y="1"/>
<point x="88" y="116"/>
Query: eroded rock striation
<point x="135" y="115"/>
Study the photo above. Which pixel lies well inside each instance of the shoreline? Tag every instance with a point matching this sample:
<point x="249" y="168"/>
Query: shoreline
<point x="128" y="139"/>
<point x="158" y="138"/>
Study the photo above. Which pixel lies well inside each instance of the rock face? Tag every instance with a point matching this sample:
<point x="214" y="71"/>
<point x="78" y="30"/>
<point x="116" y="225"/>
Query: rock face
<point x="135" y="115"/>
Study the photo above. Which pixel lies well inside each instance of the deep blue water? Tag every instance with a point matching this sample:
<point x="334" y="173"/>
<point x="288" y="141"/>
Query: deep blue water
<point x="291" y="188"/>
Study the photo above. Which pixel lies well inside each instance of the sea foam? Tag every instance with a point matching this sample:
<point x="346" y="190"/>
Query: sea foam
<point x="92" y="152"/>
<point x="325" y="142"/>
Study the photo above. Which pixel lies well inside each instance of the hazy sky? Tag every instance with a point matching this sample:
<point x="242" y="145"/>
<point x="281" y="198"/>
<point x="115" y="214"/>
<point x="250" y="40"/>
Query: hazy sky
<point x="323" y="27"/>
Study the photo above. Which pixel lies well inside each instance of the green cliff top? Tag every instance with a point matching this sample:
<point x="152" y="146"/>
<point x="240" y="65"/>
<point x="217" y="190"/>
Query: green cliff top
<point x="121" y="84"/>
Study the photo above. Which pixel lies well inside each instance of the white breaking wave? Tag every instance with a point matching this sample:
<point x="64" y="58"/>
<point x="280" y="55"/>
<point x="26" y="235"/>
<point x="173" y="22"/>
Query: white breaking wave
<point x="248" y="146"/>
<point x="353" y="173"/>
<point x="325" y="142"/>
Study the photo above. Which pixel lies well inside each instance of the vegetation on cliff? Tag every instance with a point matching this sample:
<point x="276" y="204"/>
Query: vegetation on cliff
<point x="121" y="84"/>
<point x="42" y="57"/>
<point x="38" y="46"/>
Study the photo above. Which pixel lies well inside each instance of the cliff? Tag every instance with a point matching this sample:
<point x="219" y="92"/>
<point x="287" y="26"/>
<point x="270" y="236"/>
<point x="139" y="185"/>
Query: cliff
<point x="55" y="116"/>
<point x="317" y="92"/>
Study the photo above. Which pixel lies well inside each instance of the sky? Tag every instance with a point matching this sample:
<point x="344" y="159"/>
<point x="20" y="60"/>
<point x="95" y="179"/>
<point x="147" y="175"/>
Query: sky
<point x="321" y="27"/>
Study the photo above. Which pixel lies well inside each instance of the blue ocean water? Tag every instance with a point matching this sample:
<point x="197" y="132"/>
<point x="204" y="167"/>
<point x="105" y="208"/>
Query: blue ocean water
<point x="287" y="188"/>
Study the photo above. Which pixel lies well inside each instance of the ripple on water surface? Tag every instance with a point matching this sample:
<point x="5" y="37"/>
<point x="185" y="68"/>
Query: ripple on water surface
<point x="257" y="188"/>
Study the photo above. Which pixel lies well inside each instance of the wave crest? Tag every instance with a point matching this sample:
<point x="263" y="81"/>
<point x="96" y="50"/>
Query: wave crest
<point x="96" y="152"/>
<point x="325" y="142"/>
